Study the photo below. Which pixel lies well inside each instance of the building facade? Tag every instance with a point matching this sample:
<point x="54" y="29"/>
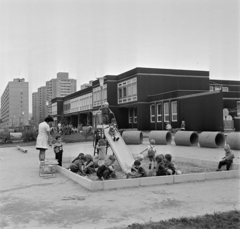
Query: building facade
<point x="42" y="103"/>
<point x="35" y="108"/>
<point x="60" y="87"/>
<point x="147" y="99"/>
<point x="14" y="104"/>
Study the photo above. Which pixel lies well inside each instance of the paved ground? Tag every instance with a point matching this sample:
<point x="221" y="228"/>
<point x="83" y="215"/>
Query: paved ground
<point x="29" y="201"/>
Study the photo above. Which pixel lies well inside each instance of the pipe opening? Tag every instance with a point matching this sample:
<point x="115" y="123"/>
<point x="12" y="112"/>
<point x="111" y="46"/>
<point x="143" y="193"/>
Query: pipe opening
<point x="220" y="140"/>
<point x="194" y="139"/>
<point x="168" y="138"/>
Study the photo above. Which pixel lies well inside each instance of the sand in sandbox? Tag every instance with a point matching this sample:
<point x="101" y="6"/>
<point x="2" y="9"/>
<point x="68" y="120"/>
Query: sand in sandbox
<point x="184" y="167"/>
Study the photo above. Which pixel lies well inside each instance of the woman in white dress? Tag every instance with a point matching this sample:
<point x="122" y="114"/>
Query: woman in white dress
<point x="44" y="137"/>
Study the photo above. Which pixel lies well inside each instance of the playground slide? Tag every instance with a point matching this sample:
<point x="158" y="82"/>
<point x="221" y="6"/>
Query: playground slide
<point x="121" y="151"/>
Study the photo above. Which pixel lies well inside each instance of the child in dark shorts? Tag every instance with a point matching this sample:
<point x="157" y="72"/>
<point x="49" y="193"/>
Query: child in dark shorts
<point x="137" y="170"/>
<point x="107" y="170"/>
<point x="227" y="160"/>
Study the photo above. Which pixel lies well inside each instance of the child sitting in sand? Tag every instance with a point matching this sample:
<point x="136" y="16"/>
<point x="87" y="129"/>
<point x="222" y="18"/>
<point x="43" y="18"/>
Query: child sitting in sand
<point x="227" y="160"/>
<point x="113" y="129"/>
<point x="169" y="165"/>
<point x="137" y="170"/>
<point x="107" y="170"/>
<point x="161" y="170"/>
<point x="89" y="165"/>
<point x="78" y="164"/>
<point x="101" y="146"/>
<point x="151" y="151"/>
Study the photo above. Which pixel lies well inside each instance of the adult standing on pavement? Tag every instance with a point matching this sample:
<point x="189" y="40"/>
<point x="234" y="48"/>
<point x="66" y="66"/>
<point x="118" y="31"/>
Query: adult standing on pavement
<point x="44" y="137"/>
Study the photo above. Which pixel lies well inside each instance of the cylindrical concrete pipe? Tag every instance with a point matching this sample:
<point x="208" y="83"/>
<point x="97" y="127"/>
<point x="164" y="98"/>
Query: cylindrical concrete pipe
<point x="161" y="137"/>
<point x="132" y="137"/>
<point x="233" y="139"/>
<point x="186" y="138"/>
<point x="211" y="139"/>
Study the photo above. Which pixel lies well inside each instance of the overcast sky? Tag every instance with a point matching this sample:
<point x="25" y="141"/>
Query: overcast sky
<point x="93" y="38"/>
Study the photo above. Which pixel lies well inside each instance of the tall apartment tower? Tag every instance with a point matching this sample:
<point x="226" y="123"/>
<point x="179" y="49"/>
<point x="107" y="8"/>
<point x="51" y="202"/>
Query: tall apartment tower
<point x="59" y="87"/>
<point x="35" y="108"/>
<point x="14" y="104"/>
<point x="42" y="103"/>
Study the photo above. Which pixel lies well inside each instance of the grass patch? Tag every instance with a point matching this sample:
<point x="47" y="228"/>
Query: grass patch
<point x="218" y="220"/>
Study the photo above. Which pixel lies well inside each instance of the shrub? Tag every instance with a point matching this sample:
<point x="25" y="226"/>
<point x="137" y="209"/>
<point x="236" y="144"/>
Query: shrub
<point x="29" y="135"/>
<point x="5" y="137"/>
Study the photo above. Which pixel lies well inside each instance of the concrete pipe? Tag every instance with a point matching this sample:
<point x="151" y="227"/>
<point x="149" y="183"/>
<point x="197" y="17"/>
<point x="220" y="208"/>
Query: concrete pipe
<point x="233" y="139"/>
<point x="132" y="137"/>
<point x="186" y="138"/>
<point x="161" y="137"/>
<point x="211" y="139"/>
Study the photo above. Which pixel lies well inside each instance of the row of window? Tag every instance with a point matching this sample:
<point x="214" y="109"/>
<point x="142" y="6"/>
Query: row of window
<point x="163" y="110"/>
<point x="218" y="88"/>
<point x="127" y="91"/>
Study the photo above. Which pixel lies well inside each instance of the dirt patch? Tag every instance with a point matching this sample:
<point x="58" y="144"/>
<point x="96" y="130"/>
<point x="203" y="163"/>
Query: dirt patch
<point x="184" y="167"/>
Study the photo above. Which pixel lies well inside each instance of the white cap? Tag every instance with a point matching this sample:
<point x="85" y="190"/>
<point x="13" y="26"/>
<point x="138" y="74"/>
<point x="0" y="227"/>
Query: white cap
<point x="106" y="103"/>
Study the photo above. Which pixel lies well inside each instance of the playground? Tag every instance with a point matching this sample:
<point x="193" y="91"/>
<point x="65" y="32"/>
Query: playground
<point x="29" y="201"/>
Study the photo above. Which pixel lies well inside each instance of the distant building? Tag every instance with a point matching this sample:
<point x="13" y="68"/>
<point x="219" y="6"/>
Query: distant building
<point x="14" y="104"/>
<point x="35" y="108"/>
<point x="59" y="87"/>
<point x="42" y="103"/>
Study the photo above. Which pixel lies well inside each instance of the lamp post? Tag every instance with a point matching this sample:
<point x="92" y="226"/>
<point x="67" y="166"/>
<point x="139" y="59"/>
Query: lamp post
<point x="101" y="82"/>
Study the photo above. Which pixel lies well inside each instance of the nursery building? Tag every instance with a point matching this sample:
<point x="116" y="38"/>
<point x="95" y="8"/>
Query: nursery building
<point x="148" y="98"/>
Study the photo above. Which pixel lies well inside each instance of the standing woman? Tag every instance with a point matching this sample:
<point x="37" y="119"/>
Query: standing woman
<point x="44" y="137"/>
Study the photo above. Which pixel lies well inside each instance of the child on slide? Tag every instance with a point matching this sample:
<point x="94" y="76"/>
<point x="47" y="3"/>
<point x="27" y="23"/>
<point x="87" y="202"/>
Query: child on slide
<point x="113" y="129"/>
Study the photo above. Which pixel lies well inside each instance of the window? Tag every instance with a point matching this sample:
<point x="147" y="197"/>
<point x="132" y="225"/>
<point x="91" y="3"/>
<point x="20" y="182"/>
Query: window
<point x="217" y="88"/>
<point x="127" y="91"/>
<point x="152" y="113"/>
<point x="174" y="111"/>
<point x="130" y="115"/>
<point x="238" y="108"/>
<point x="135" y="115"/>
<point x="166" y="112"/>
<point x="224" y="88"/>
<point x="211" y="88"/>
<point x="159" y="112"/>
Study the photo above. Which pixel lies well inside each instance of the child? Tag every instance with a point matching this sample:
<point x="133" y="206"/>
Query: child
<point x="106" y="112"/>
<point x="101" y="147"/>
<point x="106" y="171"/>
<point x="161" y="170"/>
<point x="151" y="153"/>
<point x="89" y="165"/>
<point x="169" y="165"/>
<point x="183" y="126"/>
<point x="77" y="165"/>
<point x="113" y="129"/>
<point x="228" y="159"/>
<point x="168" y="126"/>
<point x="137" y="170"/>
<point x="58" y="150"/>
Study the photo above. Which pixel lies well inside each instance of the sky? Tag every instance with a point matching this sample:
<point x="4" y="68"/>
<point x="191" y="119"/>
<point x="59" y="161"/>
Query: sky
<point x="94" y="38"/>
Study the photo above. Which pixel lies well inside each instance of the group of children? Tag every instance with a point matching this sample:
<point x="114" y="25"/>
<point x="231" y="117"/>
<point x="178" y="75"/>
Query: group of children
<point x="160" y="165"/>
<point x="85" y="165"/>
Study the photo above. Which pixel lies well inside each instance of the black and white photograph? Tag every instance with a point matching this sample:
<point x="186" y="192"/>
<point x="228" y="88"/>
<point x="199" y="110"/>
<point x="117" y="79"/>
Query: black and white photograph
<point x="120" y="114"/>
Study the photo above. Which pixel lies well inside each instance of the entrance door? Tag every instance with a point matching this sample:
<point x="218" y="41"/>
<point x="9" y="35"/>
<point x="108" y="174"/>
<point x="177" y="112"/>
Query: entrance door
<point x="132" y="117"/>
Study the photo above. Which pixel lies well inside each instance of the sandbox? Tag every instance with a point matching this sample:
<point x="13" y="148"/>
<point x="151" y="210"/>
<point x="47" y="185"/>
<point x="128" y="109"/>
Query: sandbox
<point x="203" y="170"/>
